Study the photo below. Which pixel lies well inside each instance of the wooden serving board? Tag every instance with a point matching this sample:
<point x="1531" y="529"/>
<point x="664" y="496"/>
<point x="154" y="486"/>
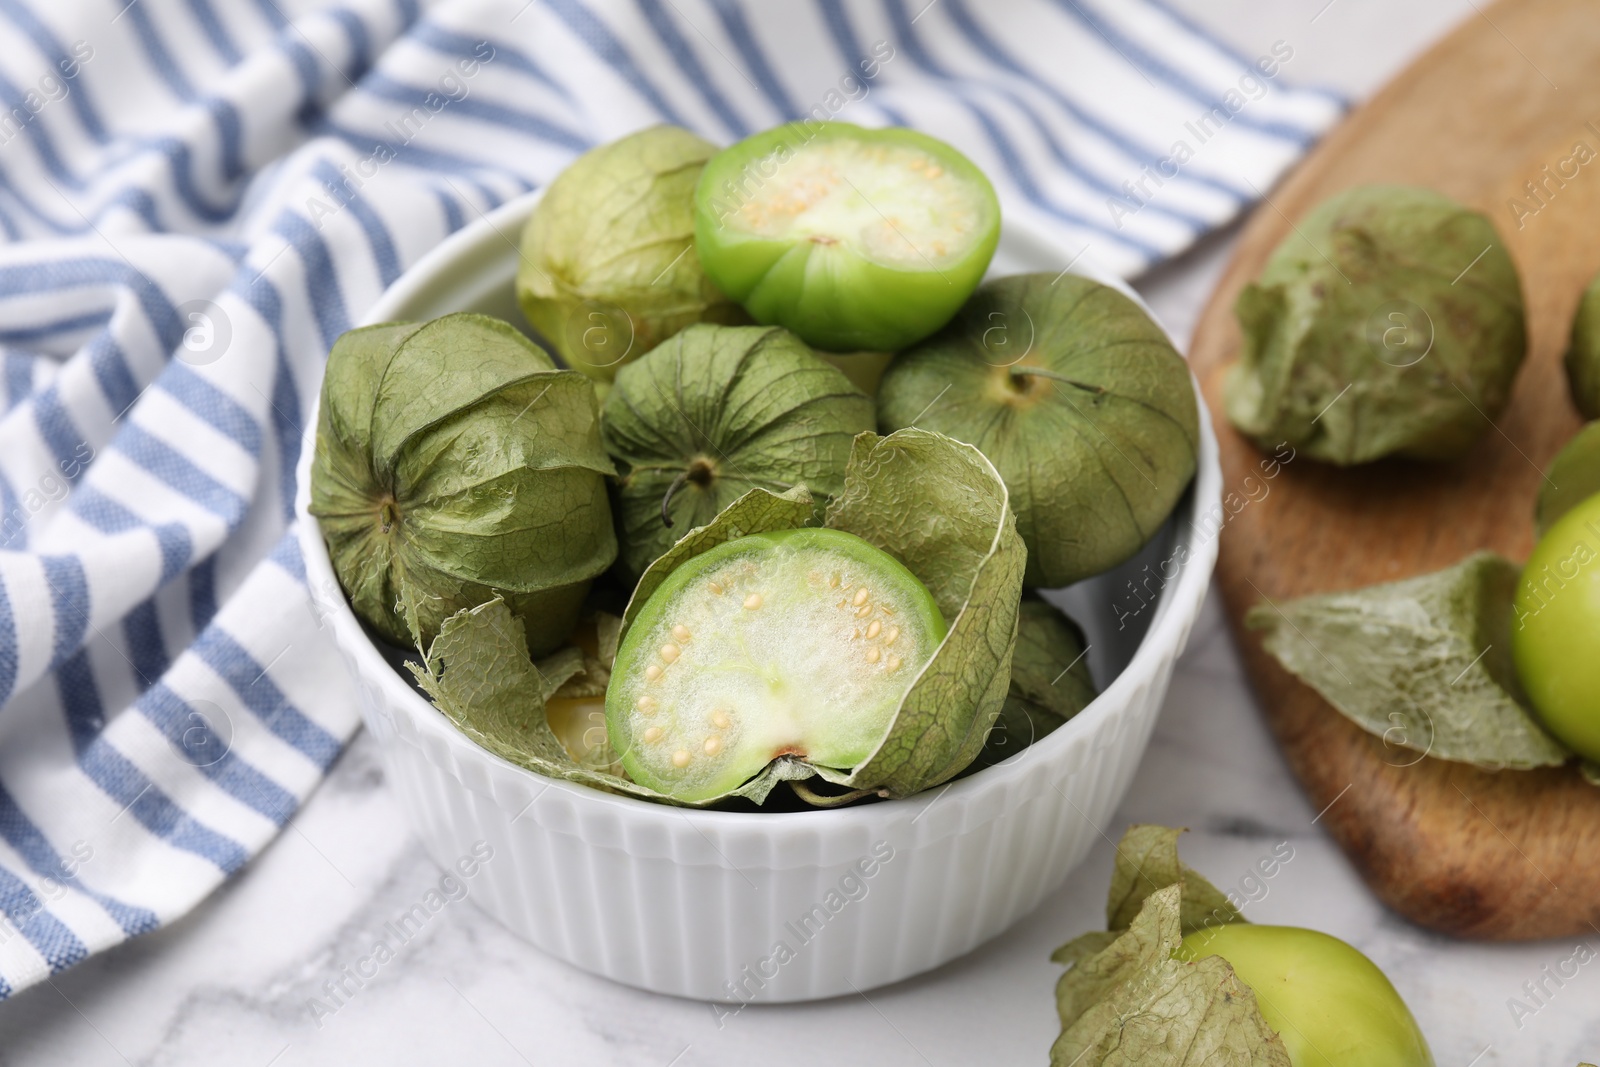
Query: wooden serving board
<point x="1508" y="855"/>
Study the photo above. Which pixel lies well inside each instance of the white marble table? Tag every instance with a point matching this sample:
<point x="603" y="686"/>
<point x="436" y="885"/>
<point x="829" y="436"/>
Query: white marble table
<point x="230" y="984"/>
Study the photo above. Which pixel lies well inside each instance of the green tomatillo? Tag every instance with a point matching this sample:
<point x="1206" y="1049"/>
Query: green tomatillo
<point x="852" y="238"/>
<point x="1557" y="625"/>
<point x="1572" y="477"/>
<point x="455" y="462"/>
<point x="1331" y="1005"/>
<point x="1078" y="399"/>
<point x="608" y="267"/>
<point x="715" y="412"/>
<point x="797" y="643"/>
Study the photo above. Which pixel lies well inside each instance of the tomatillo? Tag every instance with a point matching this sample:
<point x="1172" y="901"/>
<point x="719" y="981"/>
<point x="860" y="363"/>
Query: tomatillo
<point x="797" y="643"/>
<point x="852" y="238"/>
<point x="1077" y="398"/>
<point x="607" y="269"/>
<point x="1331" y="1005"/>
<point x="714" y="412"/>
<point x="1557" y="626"/>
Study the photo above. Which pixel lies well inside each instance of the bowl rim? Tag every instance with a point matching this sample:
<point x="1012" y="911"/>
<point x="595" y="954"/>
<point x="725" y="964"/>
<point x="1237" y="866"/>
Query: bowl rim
<point x="1178" y="604"/>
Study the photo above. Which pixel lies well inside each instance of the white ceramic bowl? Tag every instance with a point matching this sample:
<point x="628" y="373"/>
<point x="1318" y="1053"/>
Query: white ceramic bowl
<point x="734" y="906"/>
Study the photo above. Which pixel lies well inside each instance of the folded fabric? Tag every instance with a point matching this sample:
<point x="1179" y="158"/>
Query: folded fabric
<point x="198" y="197"/>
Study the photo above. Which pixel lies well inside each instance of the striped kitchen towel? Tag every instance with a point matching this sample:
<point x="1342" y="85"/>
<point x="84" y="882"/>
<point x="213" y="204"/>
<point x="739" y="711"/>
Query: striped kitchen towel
<point x="198" y="196"/>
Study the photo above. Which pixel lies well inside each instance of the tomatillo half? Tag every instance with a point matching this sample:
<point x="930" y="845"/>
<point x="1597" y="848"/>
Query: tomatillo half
<point x="796" y="643"/>
<point x="852" y="238"/>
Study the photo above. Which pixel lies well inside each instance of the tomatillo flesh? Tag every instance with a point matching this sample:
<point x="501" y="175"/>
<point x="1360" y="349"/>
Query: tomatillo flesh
<point x="798" y="643"/>
<point x="851" y="238"/>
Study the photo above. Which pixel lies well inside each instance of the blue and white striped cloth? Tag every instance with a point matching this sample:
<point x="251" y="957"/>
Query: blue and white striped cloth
<point x="198" y="196"/>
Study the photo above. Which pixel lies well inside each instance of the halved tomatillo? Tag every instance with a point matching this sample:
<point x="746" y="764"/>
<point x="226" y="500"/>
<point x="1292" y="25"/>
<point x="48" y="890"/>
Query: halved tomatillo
<point x="852" y="238"/>
<point x="796" y="643"/>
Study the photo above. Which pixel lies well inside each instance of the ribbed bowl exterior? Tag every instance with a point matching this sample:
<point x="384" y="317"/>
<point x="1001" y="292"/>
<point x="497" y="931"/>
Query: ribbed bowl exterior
<point x="770" y="907"/>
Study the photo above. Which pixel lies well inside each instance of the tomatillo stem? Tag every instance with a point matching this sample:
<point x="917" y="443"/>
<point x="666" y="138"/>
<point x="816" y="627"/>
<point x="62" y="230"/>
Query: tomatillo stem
<point x="700" y="471"/>
<point x="1019" y="371"/>
<point x="672" y="490"/>
<point x="821" y="800"/>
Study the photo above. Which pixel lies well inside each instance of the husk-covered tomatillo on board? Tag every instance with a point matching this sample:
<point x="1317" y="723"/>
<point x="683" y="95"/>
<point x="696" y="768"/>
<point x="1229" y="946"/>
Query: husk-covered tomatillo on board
<point x="1390" y="322"/>
<point x="1129" y="998"/>
<point x="608" y="268"/>
<point x="715" y="412"/>
<point x="455" y="463"/>
<point x="1079" y="400"/>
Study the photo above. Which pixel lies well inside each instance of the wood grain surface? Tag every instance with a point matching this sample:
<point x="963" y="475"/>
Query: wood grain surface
<point x="1510" y="855"/>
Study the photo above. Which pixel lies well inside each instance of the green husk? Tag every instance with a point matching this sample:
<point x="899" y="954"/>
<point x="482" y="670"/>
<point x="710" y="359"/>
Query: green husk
<point x="940" y="508"/>
<point x="455" y="463"/>
<point x="1125" y="1002"/>
<point x="608" y="267"/>
<point x="1423" y="663"/>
